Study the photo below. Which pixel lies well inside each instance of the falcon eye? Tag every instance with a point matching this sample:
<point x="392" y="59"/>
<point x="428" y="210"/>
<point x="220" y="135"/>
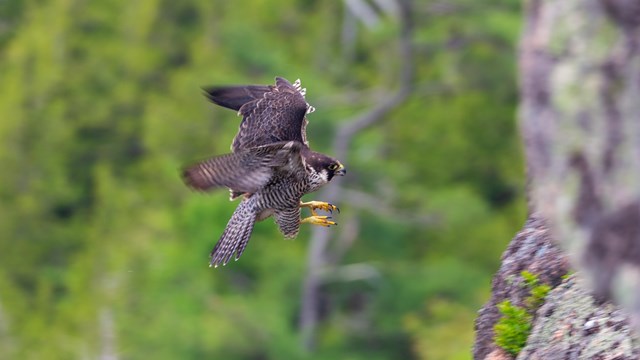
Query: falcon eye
<point x="333" y="167"/>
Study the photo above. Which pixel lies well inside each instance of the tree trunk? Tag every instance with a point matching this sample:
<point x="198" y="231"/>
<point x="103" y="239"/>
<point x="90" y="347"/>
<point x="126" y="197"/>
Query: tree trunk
<point x="580" y="119"/>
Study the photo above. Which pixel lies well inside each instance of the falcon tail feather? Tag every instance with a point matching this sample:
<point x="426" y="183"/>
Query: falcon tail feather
<point x="236" y="235"/>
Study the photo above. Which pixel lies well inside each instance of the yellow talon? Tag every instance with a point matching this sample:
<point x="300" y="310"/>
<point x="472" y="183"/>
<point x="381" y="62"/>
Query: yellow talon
<point x="318" y="220"/>
<point x="315" y="205"/>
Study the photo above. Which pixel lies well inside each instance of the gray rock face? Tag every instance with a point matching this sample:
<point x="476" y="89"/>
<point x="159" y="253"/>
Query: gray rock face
<point x="532" y="250"/>
<point x="573" y="325"/>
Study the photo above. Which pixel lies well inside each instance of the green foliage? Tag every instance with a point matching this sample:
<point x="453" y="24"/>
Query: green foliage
<point x="538" y="292"/>
<point x="439" y="329"/>
<point x="102" y="247"/>
<point x="514" y="327"/>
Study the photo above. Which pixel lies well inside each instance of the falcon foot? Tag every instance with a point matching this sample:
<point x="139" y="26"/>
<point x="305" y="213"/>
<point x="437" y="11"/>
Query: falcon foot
<point x="318" y="220"/>
<point x="315" y="205"/>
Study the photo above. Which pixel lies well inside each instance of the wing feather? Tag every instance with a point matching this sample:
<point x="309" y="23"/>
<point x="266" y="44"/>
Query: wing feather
<point x="233" y="97"/>
<point x="245" y="171"/>
<point x="269" y="113"/>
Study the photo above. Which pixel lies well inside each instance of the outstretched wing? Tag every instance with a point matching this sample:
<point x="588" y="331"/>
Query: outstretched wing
<point x="245" y="171"/>
<point x="269" y="113"/>
<point x="233" y="97"/>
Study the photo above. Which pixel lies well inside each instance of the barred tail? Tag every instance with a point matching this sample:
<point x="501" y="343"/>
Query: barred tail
<point x="236" y="235"/>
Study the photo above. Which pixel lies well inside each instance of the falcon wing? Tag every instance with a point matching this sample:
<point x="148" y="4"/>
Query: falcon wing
<point x="245" y="171"/>
<point x="269" y="113"/>
<point x="233" y="97"/>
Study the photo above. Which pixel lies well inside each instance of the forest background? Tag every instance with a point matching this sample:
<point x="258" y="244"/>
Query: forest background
<point x="103" y="250"/>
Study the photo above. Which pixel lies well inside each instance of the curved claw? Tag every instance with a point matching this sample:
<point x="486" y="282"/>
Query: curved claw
<point x="320" y="205"/>
<point x="319" y="220"/>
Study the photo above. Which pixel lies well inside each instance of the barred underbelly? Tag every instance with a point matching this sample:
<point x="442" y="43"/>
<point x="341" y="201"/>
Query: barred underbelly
<point x="281" y="195"/>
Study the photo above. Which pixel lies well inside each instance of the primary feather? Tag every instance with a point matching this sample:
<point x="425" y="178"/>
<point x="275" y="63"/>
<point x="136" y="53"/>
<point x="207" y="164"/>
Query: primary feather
<point x="269" y="113"/>
<point x="245" y="171"/>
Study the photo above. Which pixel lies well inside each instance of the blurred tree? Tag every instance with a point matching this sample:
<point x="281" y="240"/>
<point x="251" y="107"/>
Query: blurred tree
<point x="580" y="125"/>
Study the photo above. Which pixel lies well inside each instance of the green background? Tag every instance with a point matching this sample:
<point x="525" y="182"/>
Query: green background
<point x="103" y="251"/>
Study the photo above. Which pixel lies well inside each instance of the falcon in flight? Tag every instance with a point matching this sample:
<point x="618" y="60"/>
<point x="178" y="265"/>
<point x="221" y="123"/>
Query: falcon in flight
<point x="271" y="165"/>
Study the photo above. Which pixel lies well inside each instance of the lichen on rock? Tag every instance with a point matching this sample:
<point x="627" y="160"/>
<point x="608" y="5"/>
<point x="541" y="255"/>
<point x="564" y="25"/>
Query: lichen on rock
<point x="572" y="324"/>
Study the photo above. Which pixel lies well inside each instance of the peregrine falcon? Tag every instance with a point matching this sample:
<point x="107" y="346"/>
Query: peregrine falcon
<point x="271" y="165"/>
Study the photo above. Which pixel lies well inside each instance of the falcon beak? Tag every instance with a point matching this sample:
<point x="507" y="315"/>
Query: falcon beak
<point x="341" y="171"/>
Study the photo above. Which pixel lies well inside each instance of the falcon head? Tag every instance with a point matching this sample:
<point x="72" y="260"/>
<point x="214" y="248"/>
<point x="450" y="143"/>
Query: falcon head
<point x="321" y="169"/>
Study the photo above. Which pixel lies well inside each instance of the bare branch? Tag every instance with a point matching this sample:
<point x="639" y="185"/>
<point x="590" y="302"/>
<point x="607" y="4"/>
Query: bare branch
<point x="318" y="259"/>
<point x="361" y="10"/>
<point x="107" y="335"/>
<point x="362" y="200"/>
<point x="351" y="272"/>
<point x="351" y="127"/>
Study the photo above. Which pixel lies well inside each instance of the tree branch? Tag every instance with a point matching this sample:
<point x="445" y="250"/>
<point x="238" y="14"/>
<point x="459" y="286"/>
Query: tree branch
<point x="317" y="255"/>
